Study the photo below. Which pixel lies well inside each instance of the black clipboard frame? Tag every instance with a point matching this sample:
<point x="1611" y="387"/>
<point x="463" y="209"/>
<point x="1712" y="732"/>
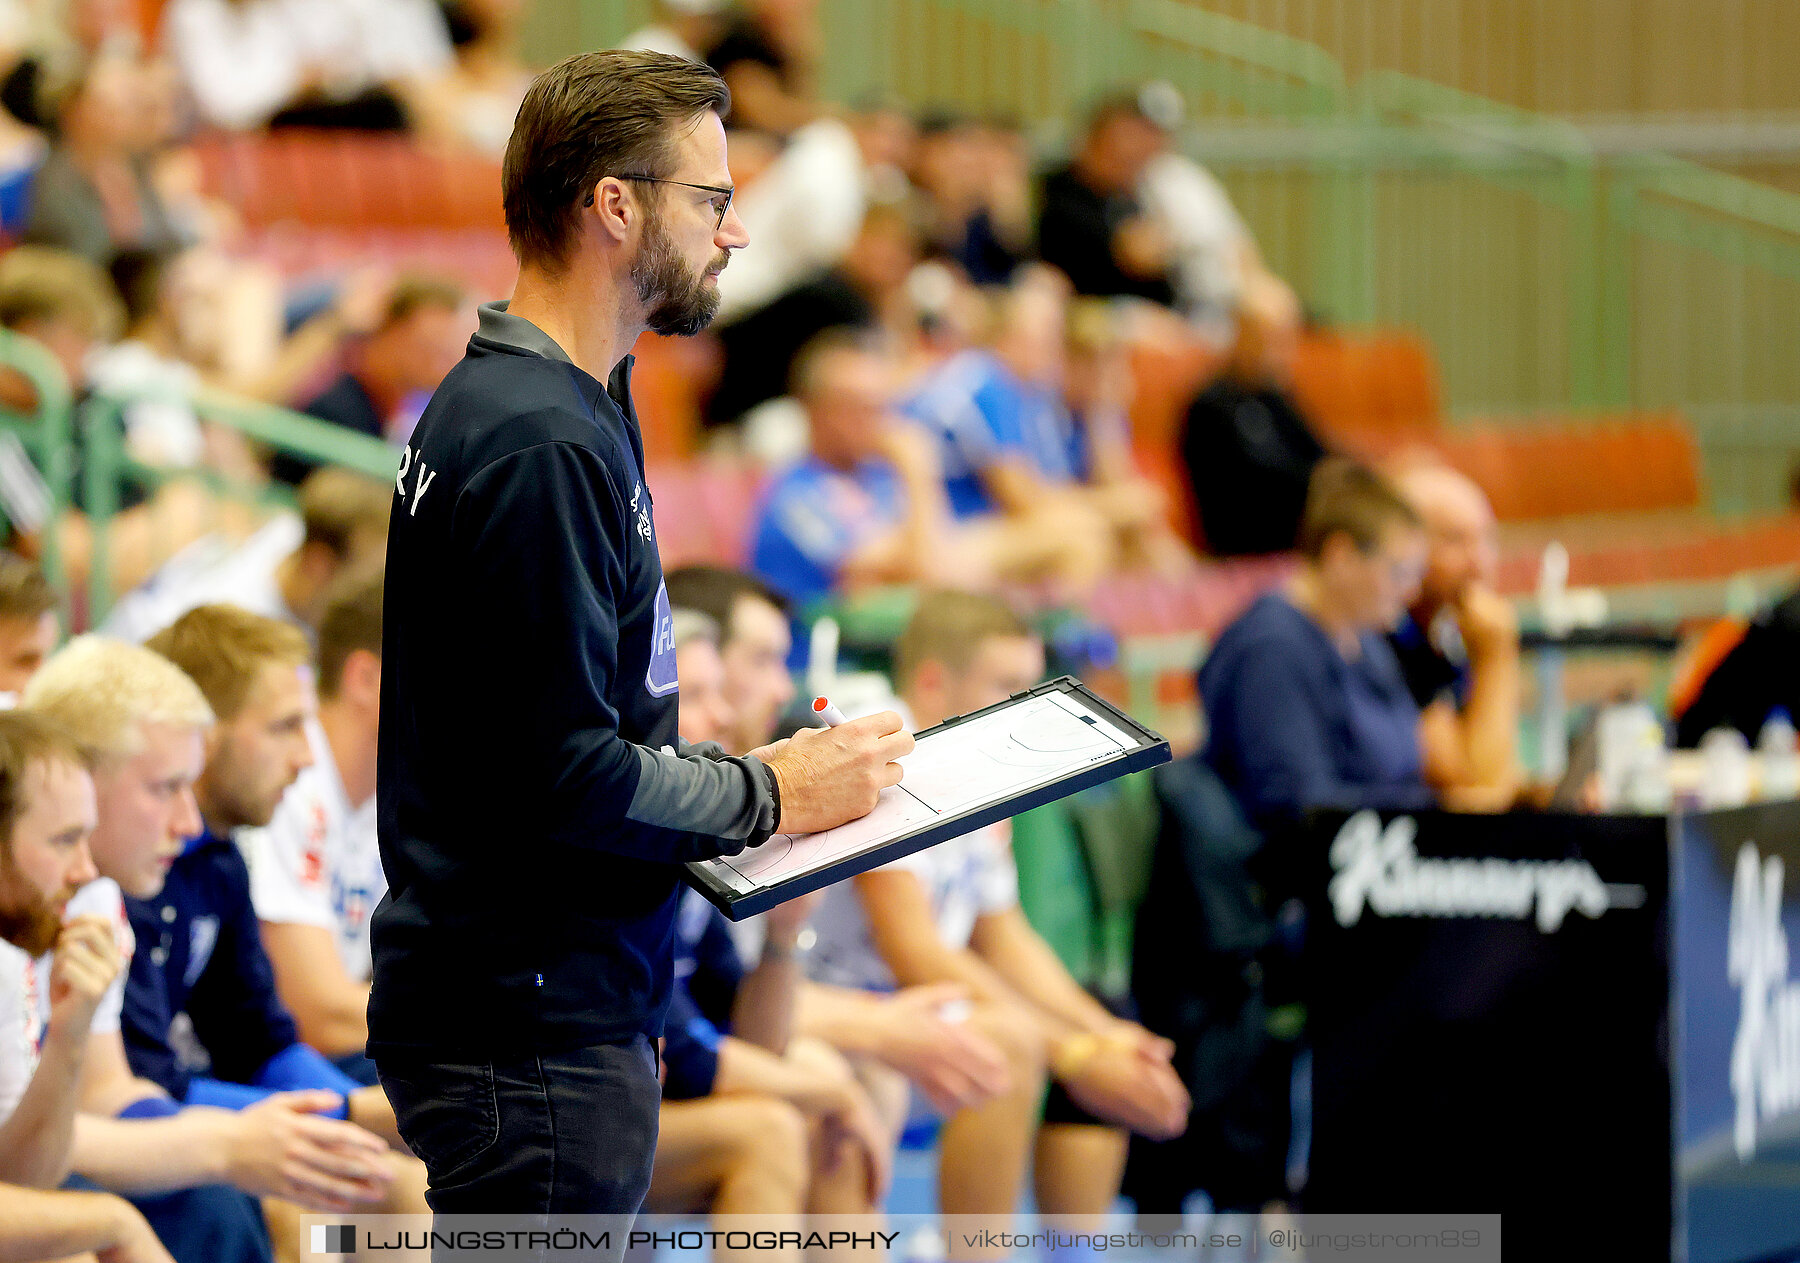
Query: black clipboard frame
<point x="1153" y="748"/>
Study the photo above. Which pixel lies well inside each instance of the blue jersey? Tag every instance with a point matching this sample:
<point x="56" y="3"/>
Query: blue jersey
<point x="815" y="518"/>
<point x="983" y="415"/>
<point x="708" y="973"/>
<point x="200" y="954"/>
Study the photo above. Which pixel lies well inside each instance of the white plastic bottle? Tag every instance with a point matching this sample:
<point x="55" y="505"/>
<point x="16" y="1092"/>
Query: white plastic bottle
<point x="1725" y="769"/>
<point x="1632" y="759"/>
<point x="1778" y="750"/>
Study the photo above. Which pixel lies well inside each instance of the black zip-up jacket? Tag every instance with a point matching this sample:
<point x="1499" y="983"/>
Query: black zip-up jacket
<point x="535" y="802"/>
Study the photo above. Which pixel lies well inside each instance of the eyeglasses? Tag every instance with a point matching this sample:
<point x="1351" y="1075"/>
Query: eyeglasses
<point x="721" y="201"/>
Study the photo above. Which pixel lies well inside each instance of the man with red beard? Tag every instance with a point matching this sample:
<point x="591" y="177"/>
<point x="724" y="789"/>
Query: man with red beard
<point x="54" y="977"/>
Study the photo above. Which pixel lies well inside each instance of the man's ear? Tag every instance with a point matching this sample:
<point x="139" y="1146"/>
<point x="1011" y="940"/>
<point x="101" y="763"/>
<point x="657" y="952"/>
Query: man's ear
<point x="213" y="741"/>
<point x="362" y="676"/>
<point x="610" y="209"/>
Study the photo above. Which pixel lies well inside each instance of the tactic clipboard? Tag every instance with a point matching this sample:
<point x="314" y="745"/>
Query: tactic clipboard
<point x="968" y="772"/>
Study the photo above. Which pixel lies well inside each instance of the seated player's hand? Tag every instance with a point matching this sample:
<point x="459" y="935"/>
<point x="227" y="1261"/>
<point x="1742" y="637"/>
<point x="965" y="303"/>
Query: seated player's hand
<point x="951" y="1063"/>
<point x="282" y="1148"/>
<point x="1116" y="1080"/>
<point x="85" y="964"/>
<point x="831" y="776"/>
<point x="852" y="1120"/>
<point x="135" y="1242"/>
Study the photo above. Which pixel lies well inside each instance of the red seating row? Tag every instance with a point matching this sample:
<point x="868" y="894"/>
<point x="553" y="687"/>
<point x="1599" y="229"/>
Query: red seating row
<point x="349" y="180"/>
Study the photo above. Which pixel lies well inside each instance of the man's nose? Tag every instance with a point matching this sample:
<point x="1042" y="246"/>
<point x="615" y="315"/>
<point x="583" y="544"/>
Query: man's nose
<point x="82" y="870"/>
<point x="732" y="235"/>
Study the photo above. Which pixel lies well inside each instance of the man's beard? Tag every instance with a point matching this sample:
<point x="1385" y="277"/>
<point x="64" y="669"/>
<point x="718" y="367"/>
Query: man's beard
<point x="680" y="303"/>
<point x="31" y="927"/>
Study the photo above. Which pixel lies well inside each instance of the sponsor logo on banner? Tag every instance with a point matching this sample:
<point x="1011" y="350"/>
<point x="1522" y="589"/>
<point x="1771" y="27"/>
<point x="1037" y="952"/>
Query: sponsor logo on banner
<point x="1765" y="1055"/>
<point x="1377" y="868"/>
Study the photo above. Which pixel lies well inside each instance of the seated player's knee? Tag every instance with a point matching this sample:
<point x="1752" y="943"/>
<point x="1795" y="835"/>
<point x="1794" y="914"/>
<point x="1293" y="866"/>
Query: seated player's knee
<point x="1019" y="1040"/>
<point x="768" y="1136"/>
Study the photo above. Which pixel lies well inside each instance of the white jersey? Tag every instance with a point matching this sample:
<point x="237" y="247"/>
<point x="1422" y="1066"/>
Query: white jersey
<point x="208" y="571"/>
<point x="25" y="993"/>
<point x="965" y="879"/>
<point x="317" y="862"/>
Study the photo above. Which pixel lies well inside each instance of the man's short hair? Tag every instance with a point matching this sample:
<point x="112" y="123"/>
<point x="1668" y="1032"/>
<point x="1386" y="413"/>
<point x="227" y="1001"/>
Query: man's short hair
<point x="593" y="115"/>
<point x="223" y="649"/>
<point x="715" y="591"/>
<point x="805" y="377"/>
<point x="24" y="592"/>
<point x="44" y="283"/>
<point x="102" y="691"/>
<point x="351" y="621"/>
<point x="1353" y="499"/>
<point x="26" y="739"/>
<point x="417" y="291"/>
<point x="338" y="504"/>
<point x="138" y="275"/>
<point x="690" y="625"/>
<point x="951" y="627"/>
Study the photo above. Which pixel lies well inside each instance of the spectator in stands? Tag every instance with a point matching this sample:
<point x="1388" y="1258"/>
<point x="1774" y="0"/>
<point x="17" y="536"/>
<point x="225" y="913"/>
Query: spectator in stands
<point x="198" y="318"/>
<point x="950" y="913"/>
<point x="1249" y="451"/>
<point x="94" y="194"/>
<point x="28" y="623"/>
<point x="1458" y="644"/>
<point x="1010" y="447"/>
<point x="67" y="303"/>
<point x="256" y="674"/>
<point x="804" y="204"/>
<point x="63" y="302"/>
<point x="768" y="56"/>
<point x="867" y="505"/>
<point x="194" y="322"/>
<point x="755" y="638"/>
<point x="1213" y="258"/>
<point x="283" y="571"/>
<point x="862" y="292"/>
<point x="315" y="870"/>
<point x="1304" y="700"/>
<point x="974" y="181"/>
<point x="1090" y="222"/>
<point x="681" y="28"/>
<point x="475" y="102"/>
<point x="196" y="1174"/>
<point x="328" y="63"/>
<point x="418" y="339"/>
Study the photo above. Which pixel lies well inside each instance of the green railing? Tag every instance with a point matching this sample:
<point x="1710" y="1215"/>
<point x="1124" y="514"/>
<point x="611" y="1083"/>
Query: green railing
<point x="46" y="433"/>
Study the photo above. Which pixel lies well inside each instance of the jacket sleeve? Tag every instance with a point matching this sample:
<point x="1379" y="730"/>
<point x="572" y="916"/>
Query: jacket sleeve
<point x="543" y="530"/>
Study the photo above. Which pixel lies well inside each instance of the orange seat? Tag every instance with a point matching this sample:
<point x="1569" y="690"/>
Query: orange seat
<point x="1628" y="464"/>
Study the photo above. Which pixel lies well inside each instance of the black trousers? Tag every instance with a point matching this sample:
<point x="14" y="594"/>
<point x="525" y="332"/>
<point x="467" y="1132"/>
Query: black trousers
<point x="570" y="1133"/>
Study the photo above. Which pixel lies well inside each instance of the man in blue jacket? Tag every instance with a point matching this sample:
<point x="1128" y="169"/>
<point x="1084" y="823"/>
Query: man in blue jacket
<point x="534" y="812"/>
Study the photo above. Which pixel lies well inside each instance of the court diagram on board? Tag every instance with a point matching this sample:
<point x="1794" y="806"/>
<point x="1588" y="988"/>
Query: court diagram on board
<point x="963" y="767"/>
